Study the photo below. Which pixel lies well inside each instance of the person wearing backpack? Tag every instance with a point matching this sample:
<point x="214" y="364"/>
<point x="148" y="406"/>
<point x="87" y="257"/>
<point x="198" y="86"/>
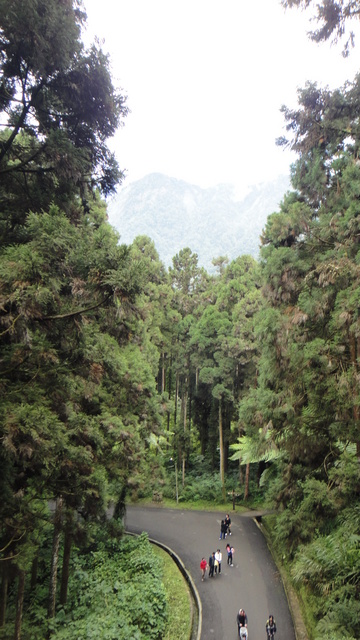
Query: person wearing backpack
<point x="229" y="551"/>
<point x="270" y="627"/>
<point x="227" y="522"/>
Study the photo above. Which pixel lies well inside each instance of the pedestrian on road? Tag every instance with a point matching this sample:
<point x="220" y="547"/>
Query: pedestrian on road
<point x="203" y="567"/>
<point x="229" y="555"/>
<point x="218" y="560"/>
<point x="242" y="623"/>
<point x="211" y="564"/>
<point x="222" y="530"/>
<point x="228" y="524"/>
<point x="270" y="627"/>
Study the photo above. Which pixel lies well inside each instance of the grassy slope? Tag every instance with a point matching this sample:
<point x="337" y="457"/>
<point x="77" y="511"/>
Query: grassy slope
<point x="179" y="601"/>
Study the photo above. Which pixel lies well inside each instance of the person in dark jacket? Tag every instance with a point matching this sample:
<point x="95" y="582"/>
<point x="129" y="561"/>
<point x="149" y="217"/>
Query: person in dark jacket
<point x="270" y="626"/>
<point x="227" y="522"/>
<point x="211" y="564"/>
<point x="242" y="622"/>
<point x="223" y="530"/>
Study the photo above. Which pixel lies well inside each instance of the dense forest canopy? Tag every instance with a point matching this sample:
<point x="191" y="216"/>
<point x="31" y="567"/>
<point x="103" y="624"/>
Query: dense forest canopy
<point x="114" y="370"/>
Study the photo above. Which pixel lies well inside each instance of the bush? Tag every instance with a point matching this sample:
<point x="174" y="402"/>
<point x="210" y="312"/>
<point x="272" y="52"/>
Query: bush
<point x="115" y="591"/>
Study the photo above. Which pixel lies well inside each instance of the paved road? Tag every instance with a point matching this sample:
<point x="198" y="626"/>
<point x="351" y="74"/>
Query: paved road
<point x="253" y="583"/>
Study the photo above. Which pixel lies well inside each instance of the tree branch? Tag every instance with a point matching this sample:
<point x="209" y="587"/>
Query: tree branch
<point x="75" y="313"/>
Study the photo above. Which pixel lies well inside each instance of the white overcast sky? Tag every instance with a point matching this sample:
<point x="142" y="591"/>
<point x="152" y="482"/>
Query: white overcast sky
<point x="205" y="81"/>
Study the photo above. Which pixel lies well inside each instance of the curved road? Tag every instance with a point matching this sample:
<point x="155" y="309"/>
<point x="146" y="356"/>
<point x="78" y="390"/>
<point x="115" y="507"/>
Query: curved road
<point x="253" y="583"/>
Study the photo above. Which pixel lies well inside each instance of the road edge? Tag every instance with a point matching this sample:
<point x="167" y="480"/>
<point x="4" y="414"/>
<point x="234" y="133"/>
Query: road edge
<point x="291" y="595"/>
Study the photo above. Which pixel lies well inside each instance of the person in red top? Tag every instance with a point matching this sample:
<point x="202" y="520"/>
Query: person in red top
<point x="203" y="567"/>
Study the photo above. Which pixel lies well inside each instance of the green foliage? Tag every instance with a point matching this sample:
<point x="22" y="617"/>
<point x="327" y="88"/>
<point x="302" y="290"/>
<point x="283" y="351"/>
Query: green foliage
<point x="330" y="565"/>
<point x="333" y="17"/>
<point x="307" y="397"/>
<point x="117" y="592"/>
<point x="115" y="589"/>
<point x="177" y="593"/>
<point x="110" y="365"/>
<point x="60" y="107"/>
<point x="202" y="487"/>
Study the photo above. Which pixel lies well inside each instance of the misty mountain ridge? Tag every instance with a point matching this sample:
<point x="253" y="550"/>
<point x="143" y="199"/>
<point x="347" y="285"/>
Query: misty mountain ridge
<point x="212" y="222"/>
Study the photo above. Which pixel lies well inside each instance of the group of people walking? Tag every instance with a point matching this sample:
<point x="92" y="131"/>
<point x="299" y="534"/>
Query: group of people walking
<point x="214" y="567"/>
<point x="242" y="623"/>
<point x="225" y="527"/>
<point x="215" y="558"/>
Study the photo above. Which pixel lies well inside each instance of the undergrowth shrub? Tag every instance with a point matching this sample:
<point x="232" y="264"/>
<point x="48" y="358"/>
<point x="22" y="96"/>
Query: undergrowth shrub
<point x="115" y="591"/>
<point x="116" y="594"/>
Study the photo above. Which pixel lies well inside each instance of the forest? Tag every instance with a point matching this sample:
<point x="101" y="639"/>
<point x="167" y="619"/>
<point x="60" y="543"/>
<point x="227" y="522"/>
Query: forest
<point x="118" y="376"/>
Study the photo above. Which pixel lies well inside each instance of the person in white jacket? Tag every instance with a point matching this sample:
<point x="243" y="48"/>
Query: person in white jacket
<point x="218" y="560"/>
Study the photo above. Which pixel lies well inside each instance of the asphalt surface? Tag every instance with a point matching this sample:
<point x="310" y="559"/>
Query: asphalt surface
<point x="253" y="583"/>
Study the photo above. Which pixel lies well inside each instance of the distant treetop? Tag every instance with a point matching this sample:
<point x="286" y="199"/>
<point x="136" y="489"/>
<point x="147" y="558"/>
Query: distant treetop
<point x="332" y="17"/>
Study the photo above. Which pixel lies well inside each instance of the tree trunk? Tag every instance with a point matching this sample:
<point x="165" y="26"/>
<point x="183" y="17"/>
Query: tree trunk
<point x="241" y="477"/>
<point x="221" y="448"/>
<point x="354" y="353"/>
<point x="19" y="605"/>
<point x="4" y="591"/>
<point x="163" y="374"/>
<point x="34" y="570"/>
<point x="247" y="475"/>
<point x="184" y="416"/>
<point x="169" y="392"/>
<point x="120" y="507"/>
<point x="66" y="557"/>
<point x="176" y="397"/>
<point x="55" y="557"/>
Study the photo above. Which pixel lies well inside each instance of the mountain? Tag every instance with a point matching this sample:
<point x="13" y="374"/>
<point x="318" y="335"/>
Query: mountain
<point x="213" y="222"/>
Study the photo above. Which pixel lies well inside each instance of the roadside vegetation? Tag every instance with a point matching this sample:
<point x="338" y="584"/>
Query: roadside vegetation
<point x="118" y="588"/>
<point x="179" y="607"/>
<point x="121" y="380"/>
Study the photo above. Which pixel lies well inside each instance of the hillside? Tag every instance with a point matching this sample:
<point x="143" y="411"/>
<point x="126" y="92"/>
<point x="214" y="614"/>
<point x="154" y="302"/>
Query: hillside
<point x="212" y="222"/>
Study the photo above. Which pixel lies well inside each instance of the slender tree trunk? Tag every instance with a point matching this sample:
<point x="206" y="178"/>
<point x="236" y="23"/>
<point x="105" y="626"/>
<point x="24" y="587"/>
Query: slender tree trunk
<point x="55" y="557"/>
<point x="221" y="448"/>
<point x="4" y="591"/>
<point x="34" y="570"/>
<point x="66" y="557"/>
<point x="190" y="409"/>
<point x="184" y="415"/>
<point x="241" y="477"/>
<point x="120" y="507"/>
<point x="354" y="353"/>
<point x="163" y="374"/>
<point x="19" y="605"/>
<point x="176" y="397"/>
<point x="247" y="475"/>
<point x="169" y="387"/>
